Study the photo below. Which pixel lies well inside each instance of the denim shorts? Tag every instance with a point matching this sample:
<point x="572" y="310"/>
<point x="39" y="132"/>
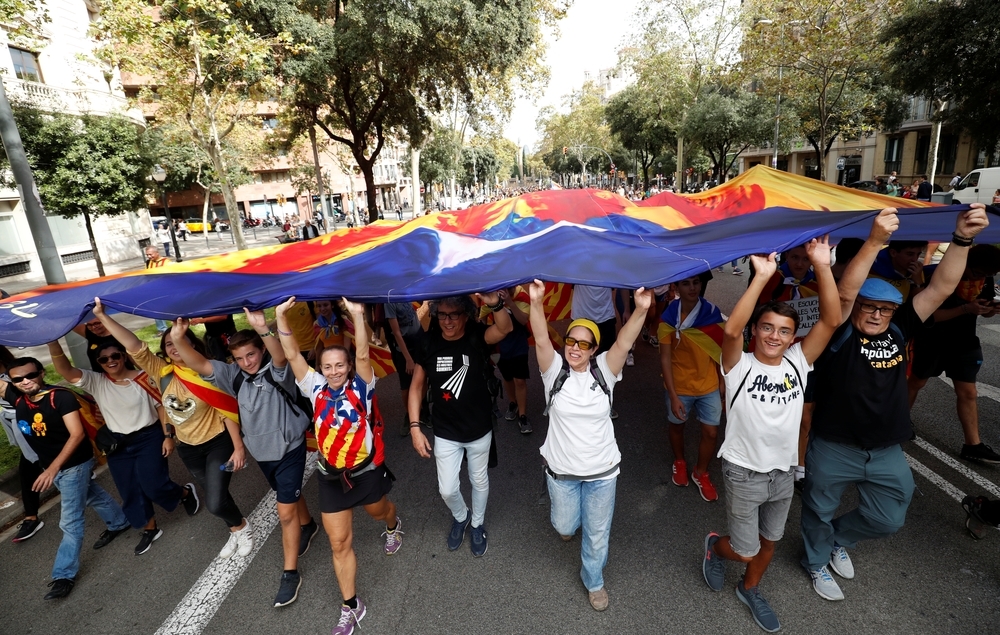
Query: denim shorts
<point x="707" y="407"/>
<point x="756" y="505"/>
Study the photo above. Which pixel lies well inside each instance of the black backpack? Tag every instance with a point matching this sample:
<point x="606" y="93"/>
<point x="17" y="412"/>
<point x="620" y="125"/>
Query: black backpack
<point x="564" y="375"/>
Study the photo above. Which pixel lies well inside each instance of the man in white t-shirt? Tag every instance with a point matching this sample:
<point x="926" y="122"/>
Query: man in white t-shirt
<point x="764" y="395"/>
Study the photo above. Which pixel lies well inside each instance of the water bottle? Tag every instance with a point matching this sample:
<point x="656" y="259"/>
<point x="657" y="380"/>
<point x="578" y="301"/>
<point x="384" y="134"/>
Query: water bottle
<point x="229" y="466"/>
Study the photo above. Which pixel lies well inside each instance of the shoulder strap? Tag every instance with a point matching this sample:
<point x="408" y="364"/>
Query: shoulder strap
<point x="599" y="378"/>
<point x="355" y="402"/>
<point x="736" y="393"/>
<point x="898" y="331"/>
<point x="835" y="346"/>
<point x="558" y="383"/>
<point x="796" y="369"/>
<point x="145" y="382"/>
<point x="238" y="383"/>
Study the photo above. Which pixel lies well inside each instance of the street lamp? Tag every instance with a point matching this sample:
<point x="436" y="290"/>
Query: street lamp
<point x="659" y="168"/>
<point x="160" y="175"/>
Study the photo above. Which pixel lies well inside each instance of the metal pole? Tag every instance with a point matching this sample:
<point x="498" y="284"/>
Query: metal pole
<point x="777" y="109"/>
<point x="170" y="226"/>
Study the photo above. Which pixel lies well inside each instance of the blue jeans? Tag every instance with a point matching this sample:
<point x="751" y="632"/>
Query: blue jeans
<point x="885" y="487"/>
<point x="590" y="504"/>
<point x="78" y="492"/>
<point x="448" y="458"/>
<point x="162" y="325"/>
<point x="142" y="476"/>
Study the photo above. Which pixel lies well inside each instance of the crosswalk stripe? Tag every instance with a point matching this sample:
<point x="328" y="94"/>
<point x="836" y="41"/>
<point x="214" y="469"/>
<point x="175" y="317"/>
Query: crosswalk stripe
<point x="963" y="470"/>
<point x="934" y="477"/>
<point x="203" y="600"/>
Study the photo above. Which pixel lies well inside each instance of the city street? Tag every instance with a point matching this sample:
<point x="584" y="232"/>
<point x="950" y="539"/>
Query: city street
<point x="931" y="577"/>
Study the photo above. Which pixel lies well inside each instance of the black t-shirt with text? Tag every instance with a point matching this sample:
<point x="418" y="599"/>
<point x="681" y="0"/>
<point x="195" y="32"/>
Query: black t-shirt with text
<point x="456" y="372"/>
<point x="41" y="423"/>
<point x="860" y="389"/>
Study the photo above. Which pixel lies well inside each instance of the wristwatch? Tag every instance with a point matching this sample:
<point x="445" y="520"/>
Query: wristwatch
<point x="268" y="334"/>
<point x="170" y="435"/>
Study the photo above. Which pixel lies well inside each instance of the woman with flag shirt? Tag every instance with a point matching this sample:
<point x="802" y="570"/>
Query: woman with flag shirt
<point x="205" y="422"/>
<point x="352" y="462"/>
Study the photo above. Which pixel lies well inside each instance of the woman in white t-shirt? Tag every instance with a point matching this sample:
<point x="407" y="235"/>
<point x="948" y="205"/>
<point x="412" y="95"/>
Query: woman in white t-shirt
<point x="580" y="451"/>
<point x="130" y="404"/>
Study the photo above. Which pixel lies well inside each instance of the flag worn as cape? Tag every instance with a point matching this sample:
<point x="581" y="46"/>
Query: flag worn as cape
<point x="705" y="331"/>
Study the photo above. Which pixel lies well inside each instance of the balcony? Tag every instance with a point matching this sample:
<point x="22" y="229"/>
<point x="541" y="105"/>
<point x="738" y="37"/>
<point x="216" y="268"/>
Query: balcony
<point x="73" y="101"/>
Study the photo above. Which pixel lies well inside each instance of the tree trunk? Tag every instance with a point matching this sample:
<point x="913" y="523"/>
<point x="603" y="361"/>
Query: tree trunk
<point x="93" y="243"/>
<point x="415" y="182"/>
<point x="319" y="174"/>
<point x="204" y="212"/>
<point x="935" y="141"/>
<point x="680" y="165"/>
<point x="371" y="196"/>
<point x="228" y="195"/>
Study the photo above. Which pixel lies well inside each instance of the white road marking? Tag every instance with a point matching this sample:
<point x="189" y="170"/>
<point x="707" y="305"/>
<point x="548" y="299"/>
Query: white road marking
<point x="933" y="477"/>
<point x="203" y="600"/>
<point x="984" y="390"/>
<point x="963" y="470"/>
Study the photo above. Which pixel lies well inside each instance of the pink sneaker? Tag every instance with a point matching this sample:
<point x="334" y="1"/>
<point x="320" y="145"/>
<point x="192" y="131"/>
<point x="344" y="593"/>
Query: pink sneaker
<point x="394" y="538"/>
<point x="680" y="477"/>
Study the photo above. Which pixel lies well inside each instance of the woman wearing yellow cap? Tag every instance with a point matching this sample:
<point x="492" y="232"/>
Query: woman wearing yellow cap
<point x="580" y="450"/>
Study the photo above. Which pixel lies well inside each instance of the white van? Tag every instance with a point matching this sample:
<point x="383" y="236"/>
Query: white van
<point x="979" y="186"/>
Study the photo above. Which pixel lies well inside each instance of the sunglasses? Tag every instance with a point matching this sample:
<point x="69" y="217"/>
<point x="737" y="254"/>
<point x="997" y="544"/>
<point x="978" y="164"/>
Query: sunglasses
<point x="448" y="317"/>
<point x="583" y="344"/>
<point x="113" y="357"/>
<point x="34" y="375"/>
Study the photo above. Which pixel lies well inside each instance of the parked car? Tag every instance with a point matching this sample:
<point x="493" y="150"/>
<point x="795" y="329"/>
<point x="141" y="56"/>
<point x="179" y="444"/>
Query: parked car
<point x="978" y="186"/>
<point x="864" y="186"/>
<point x="195" y="225"/>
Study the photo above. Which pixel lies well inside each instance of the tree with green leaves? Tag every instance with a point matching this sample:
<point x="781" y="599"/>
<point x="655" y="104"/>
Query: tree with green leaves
<point x="580" y="128"/>
<point x="948" y="53"/>
<point x="84" y="166"/>
<point x="726" y="122"/>
<point x="377" y="70"/>
<point x="826" y="61"/>
<point x="636" y="119"/>
<point x="206" y="66"/>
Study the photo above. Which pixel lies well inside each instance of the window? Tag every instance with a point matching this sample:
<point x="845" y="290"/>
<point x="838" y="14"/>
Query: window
<point x="947" y="151"/>
<point x="893" y="154"/>
<point x="923" y="150"/>
<point x="25" y="65"/>
<point x="270" y="123"/>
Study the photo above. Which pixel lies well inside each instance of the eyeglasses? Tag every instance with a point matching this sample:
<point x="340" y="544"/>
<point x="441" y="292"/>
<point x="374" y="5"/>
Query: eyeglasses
<point x="450" y="317"/>
<point x="583" y="344"/>
<point x="113" y="357"/>
<point x="767" y="329"/>
<point x="34" y="375"/>
<point x="871" y="309"/>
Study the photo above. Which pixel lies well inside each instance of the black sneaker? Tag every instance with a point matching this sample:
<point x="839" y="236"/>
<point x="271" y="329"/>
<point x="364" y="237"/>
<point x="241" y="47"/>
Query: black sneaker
<point x="107" y="536"/>
<point x="511" y="413"/>
<point x="288" y="591"/>
<point x="27" y="529"/>
<point x="982" y="453"/>
<point x="148" y="536"/>
<point x="308" y="533"/>
<point x="524" y="424"/>
<point x="60" y="588"/>
<point x="191" y="502"/>
<point x="478" y="541"/>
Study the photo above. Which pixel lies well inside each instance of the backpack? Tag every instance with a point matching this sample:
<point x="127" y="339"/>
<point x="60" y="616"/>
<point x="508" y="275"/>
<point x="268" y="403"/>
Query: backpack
<point x="297" y="403"/>
<point x="564" y="375"/>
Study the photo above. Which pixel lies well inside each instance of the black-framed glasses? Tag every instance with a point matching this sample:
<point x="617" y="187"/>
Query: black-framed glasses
<point x="113" y="357"/>
<point x="450" y="317"/>
<point x="34" y="375"/>
<point x="871" y="309"/>
<point x="583" y="344"/>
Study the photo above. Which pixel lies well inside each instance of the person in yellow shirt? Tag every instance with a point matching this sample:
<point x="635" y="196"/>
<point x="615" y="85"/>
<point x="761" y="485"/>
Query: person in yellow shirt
<point x="302" y="321"/>
<point x="689" y="336"/>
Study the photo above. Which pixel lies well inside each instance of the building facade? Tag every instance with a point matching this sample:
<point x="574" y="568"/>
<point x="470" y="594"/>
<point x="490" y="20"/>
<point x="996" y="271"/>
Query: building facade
<point x="53" y="75"/>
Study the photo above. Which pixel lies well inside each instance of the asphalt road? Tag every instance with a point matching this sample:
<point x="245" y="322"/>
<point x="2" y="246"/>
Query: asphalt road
<point x="931" y="577"/>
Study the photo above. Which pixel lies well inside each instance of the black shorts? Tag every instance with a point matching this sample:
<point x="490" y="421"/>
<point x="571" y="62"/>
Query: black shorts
<point x="514" y="368"/>
<point x="369" y="488"/>
<point x="957" y="366"/>
<point x="285" y="475"/>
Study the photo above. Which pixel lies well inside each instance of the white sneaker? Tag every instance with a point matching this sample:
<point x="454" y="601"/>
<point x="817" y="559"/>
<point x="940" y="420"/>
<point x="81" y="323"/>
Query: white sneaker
<point x="244" y="540"/>
<point x="824" y="585"/>
<point x="841" y="563"/>
<point x="630" y="360"/>
<point x="231" y="545"/>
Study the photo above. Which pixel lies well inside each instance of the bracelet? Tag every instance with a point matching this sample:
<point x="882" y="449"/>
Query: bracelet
<point x="414" y="424"/>
<point x="961" y="241"/>
<point x="268" y="334"/>
<point x="496" y="307"/>
<point x="280" y="332"/>
<point x="58" y="355"/>
<point x="170" y="435"/>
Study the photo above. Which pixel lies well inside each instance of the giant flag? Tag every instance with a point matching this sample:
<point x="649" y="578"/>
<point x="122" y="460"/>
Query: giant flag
<point x="573" y="236"/>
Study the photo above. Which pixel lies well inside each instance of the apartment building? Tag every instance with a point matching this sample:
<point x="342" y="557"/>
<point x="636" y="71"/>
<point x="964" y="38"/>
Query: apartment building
<point x="54" y="75"/>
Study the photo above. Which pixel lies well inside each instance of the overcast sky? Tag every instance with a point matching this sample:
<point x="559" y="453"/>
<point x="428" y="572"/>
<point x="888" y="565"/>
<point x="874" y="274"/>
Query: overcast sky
<point x="589" y="39"/>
